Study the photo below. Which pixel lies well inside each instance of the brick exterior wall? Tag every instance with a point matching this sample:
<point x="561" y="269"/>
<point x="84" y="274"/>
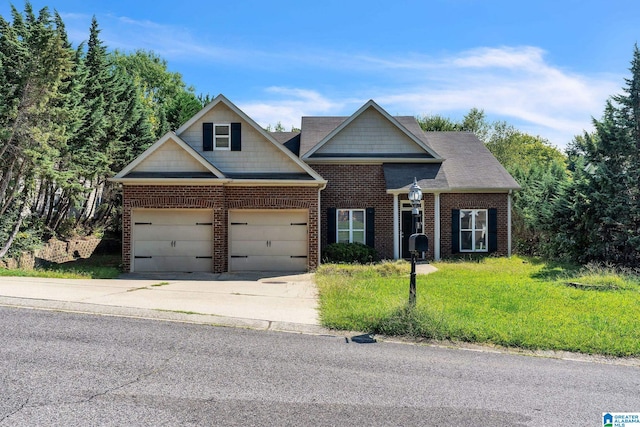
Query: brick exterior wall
<point x="358" y="187"/>
<point x="220" y="199"/>
<point x="450" y="201"/>
<point x="348" y="183"/>
<point x="349" y="187"/>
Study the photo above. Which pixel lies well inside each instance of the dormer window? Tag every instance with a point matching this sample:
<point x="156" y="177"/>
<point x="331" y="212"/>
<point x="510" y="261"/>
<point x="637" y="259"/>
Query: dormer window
<point x="221" y="136"/>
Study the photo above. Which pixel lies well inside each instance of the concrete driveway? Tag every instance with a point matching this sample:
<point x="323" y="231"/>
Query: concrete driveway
<point x="261" y="300"/>
<point x="256" y="300"/>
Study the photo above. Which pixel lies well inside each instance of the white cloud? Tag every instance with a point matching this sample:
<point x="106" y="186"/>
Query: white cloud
<point x="125" y="33"/>
<point x="288" y="105"/>
<point x="506" y="57"/>
<point x="513" y="83"/>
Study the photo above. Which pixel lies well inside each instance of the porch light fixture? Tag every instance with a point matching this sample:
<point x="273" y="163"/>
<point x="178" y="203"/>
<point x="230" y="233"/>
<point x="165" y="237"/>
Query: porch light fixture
<point x="415" y="196"/>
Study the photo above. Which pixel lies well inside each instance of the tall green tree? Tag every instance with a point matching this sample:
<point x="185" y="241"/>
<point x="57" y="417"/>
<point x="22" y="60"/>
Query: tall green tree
<point x="537" y="166"/>
<point x="35" y="63"/>
<point x="604" y="201"/>
<point x="169" y="100"/>
<point x="71" y="118"/>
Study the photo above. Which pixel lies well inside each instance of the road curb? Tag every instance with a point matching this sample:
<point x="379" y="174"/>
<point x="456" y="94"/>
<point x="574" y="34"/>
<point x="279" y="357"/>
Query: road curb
<point x="162" y="315"/>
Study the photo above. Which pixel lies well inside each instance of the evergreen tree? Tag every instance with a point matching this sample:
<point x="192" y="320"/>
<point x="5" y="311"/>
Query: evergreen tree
<point x="537" y="166"/>
<point x="604" y="200"/>
<point x="71" y="118"/>
<point x="35" y="64"/>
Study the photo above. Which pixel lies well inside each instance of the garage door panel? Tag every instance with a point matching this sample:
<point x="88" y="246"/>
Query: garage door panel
<point x="173" y="248"/>
<point x="175" y="263"/>
<point x="273" y="232"/>
<point x="172" y="240"/>
<point x="268" y="263"/>
<point x="173" y="232"/>
<point x="173" y="216"/>
<point x="274" y="217"/>
<point x="270" y="248"/>
<point x="275" y="240"/>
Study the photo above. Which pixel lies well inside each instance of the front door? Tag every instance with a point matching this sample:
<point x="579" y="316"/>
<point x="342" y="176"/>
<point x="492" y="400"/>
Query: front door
<point x="406" y="227"/>
<point x="407" y="224"/>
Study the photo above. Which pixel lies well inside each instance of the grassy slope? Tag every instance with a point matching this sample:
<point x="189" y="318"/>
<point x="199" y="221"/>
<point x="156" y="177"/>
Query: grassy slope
<point x="511" y="302"/>
<point x="96" y="267"/>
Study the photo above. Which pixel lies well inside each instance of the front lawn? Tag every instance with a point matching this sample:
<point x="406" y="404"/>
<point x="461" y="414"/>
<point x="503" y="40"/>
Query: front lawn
<point x="516" y="302"/>
<point x="95" y="267"/>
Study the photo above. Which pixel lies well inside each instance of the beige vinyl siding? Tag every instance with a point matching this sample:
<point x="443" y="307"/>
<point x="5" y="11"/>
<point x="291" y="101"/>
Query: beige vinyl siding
<point x="170" y="157"/>
<point x="172" y="240"/>
<point x="370" y="132"/>
<point x="273" y="240"/>
<point x="257" y="154"/>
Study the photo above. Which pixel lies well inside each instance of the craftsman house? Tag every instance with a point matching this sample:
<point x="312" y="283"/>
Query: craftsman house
<point x="223" y="194"/>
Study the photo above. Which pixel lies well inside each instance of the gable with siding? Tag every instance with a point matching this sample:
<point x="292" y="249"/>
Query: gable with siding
<point x="256" y="154"/>
<point x="170" y="157"/>
<point x="368" y="134"/>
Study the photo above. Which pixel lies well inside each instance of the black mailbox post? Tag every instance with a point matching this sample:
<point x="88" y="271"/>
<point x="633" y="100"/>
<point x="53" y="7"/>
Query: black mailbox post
<point x="418" y="243"/>
<point x="416" y="240"/>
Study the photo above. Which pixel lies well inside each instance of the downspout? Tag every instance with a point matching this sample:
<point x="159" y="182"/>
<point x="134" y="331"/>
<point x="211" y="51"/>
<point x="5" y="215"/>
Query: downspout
<point x="436" y="226"/>
<point x="509" y="223"/>
<point x="396" y="228"/>
<point x="319" y="230"/>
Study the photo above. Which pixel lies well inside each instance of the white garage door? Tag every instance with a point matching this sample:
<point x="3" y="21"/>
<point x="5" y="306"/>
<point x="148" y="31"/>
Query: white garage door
<point x="274" y="240"/>
<point x="172" y="240"/>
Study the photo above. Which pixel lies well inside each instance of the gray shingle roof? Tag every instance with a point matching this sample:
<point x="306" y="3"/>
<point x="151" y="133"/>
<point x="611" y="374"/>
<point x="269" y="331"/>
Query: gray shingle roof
<point x="283" y="137"/>
<point x="314" y="129"/>
<point x="430" y="176"/>
<point x="207" y="175"/>
<point x="291" y="140"/>
<point x="467" y="165"/>
<point x="270" y="175"/>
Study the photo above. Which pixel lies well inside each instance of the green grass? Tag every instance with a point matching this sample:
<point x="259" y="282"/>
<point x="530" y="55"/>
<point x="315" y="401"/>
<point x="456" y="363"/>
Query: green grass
<point x="96" y="267"/>
<point x="160" y="284"/>
<point x="516" y="302"/>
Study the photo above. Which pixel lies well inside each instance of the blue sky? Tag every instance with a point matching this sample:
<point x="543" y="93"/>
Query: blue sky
<point x="546" y="67"/>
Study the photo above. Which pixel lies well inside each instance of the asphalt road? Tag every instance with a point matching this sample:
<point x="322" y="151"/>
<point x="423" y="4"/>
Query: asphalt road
<point x="64" y="369"/>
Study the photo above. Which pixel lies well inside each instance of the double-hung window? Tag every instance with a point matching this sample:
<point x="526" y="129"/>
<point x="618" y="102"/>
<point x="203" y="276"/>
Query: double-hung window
<point x="221" y="137"/>
<point x="351" y="225"/>
<point x="473" y="230"/>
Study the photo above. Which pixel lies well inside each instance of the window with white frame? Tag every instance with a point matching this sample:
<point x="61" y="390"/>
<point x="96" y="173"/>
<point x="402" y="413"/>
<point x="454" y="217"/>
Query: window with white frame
<point x="473" y="230"/>
<point x="221" y="137"/>
<point x="351" y="225"/>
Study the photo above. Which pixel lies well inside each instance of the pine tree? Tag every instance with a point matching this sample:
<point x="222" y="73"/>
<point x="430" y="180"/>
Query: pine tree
<point x="605" y="196"/>
<point x="35" y="62"/>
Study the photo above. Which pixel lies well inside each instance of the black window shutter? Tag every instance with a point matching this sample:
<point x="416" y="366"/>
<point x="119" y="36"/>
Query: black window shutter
<point x="370" y="237"/>
<point x="331" y="225"/>
<point x="207" y="136"/>
<point x="493" y="230"/>
<point x="236" y="137"/>
<point x="455" y="231"/>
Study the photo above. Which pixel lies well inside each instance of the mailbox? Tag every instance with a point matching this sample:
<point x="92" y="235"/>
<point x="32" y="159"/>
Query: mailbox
<point x="418" y="243"/>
